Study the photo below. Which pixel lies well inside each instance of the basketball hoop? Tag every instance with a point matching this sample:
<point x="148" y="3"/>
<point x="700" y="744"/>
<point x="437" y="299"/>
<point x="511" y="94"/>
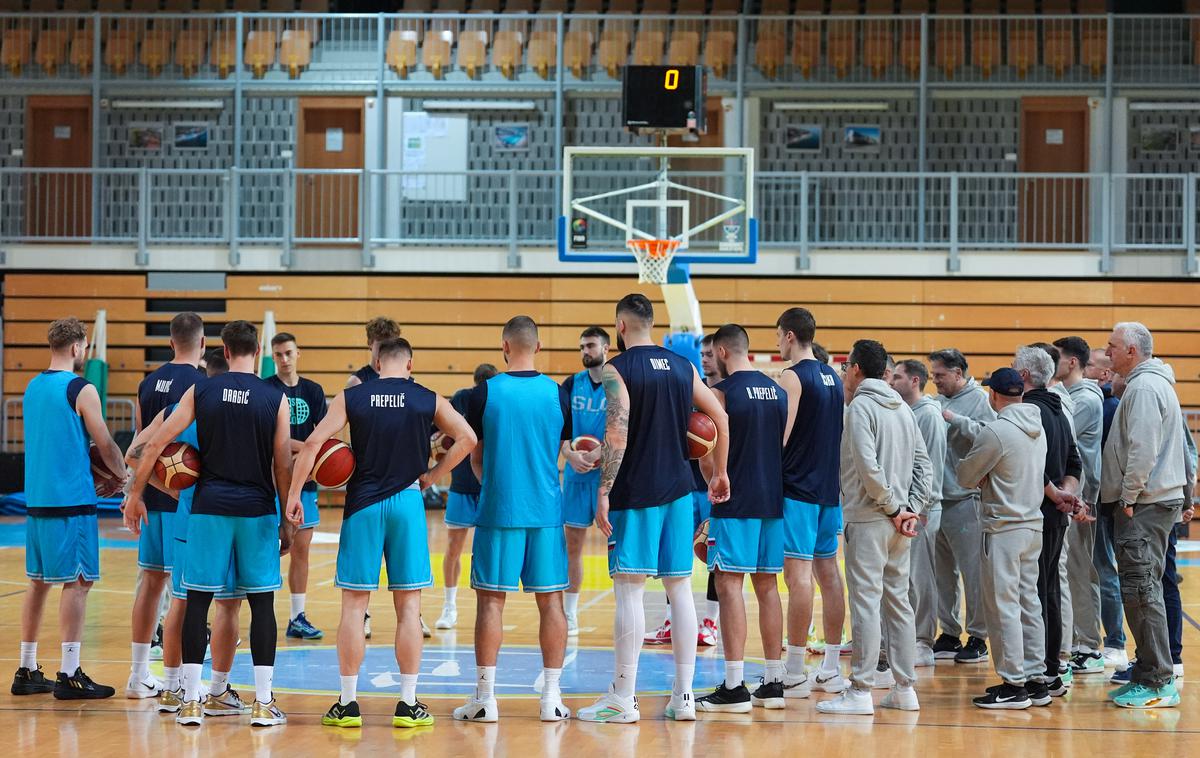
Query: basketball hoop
<point x="653" y="258"/>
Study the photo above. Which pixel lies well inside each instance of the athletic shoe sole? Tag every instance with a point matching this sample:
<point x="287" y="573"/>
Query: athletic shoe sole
<point x="770" y="703"/>
<point x="724" y="707"/>
<point x="189" y="721"/>
<point x="978" y="659"/>
<point x="831" y="686"/>
<point x="942" y="655"/>
<point x="80" y="695"/>
<point x="349" y="722"/>
<point x="267" y="722"/>
<point x="1011" y="705"/>
<point x="688" y="715"/>
<point x="24" y="690"/>
<point x="1166" y="702"/>
<point x="140" y="693"/>
<point x="403" y="722"/>
<point x="620" y="718"/>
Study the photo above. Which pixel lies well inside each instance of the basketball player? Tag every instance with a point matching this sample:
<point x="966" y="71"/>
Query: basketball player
<point x="243" y="428"/>
<point x="745" y="533"/>
<point x="384" y="518"/>
<point x="646" y="483"/>
<point x="306" y="401"/>
<point x="61" y="537"/>
<point x="379" y="329"/>
<point x="811" y="513"/>
<point x="520" y="418"/>
<point x="581" y="474"/>
<point x="462" y="502"/>
<point x="162" y="387"/>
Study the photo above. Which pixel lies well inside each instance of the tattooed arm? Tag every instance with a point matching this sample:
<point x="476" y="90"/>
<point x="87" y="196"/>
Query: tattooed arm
<point x="616" y="435"/>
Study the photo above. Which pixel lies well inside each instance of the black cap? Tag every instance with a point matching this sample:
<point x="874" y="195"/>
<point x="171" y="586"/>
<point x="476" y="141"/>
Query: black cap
<point x="1006" y="381"/>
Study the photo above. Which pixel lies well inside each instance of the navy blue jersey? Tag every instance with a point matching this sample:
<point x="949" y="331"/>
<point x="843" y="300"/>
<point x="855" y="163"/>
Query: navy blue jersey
<point x="162" y="387"/>
<point x="588" y="416"/>
<point x="811" y="457"/>
<point x="757" y="409"/>
<point x="462" y="478"/>
<point x="366" y="373"/>
<point x="389" y="433"/>
<point x="58" y="473"/>
<point x="655" y="468"/>
<point x="307" y="404"/>
<point x="699" y="483"/>
<point x="235" y="426"/>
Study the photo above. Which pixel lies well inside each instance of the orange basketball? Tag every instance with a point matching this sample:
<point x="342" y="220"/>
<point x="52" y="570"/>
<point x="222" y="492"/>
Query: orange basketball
<point x="439" y="445"/>
<point x="701" y="435"/>
<point x="585" y="443"/>
<point x="179" y="466"/>
<point x="100" y="472"/>
<point x="335" y="464"/>
<point x="700" y="540"/>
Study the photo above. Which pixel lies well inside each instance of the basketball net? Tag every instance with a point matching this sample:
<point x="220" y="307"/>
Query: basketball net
<point x="653" y="258"/>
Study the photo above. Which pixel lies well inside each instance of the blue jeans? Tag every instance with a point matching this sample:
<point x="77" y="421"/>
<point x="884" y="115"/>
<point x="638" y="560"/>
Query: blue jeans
<point x="1172" y="600"/>
<point x="1104" y="557"/>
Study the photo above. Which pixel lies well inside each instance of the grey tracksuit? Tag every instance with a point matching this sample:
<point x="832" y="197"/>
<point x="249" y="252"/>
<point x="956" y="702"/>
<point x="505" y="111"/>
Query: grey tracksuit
<point x="958" y="538"/>
<point x="885" y="469"/>
<point x="1066" y="607"/>
<point x="922" y="576"/>
<point x="1084" y="580"/>
<point x="1143" y="465"/>
<point x="1009" y="457"/>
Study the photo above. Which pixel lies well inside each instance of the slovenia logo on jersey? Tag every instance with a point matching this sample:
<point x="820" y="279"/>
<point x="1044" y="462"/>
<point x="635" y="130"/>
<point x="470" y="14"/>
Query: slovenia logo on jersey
<point x="299" y="410"/>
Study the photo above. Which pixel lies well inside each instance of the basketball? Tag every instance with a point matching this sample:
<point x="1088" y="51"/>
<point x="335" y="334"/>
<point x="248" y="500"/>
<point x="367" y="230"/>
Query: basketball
<point x="585" y="443"/>
<point x="179" y="466"/>
<point x="701" y="435"/>
<point x="700" y="541"/>
<point x="100" y="472"/>
<point x="335" y="464"/>
<point x="439" y="445"/>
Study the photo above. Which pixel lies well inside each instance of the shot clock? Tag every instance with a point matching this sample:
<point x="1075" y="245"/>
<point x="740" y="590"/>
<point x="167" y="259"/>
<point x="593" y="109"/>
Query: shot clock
<point x="663" y="98"/>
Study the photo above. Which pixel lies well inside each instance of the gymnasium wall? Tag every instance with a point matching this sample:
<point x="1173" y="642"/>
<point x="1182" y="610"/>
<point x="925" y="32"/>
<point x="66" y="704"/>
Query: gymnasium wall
<point x="454" y="322"/>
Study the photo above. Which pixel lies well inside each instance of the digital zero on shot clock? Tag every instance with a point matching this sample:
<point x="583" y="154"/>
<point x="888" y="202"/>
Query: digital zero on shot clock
<point x="664" y="98"/>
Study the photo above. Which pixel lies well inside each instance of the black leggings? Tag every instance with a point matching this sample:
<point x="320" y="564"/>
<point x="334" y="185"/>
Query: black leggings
<point x="263" y="631"/>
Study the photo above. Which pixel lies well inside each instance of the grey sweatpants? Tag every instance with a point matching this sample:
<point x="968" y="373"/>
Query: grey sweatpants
<point x="1064" y="589"/>
<point x="1009" y="562"/>
<point x="957" y="552"/>
<point x="1141" y="544"/>
<point x="922" y="579"/>
<point x="1085" y="585"/>
<point x="877" y="558"/>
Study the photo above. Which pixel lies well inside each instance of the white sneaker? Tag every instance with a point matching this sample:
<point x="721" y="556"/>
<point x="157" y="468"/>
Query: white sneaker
<point x="707" y="634"/>
<point x="572" y="625"/>
<point x="367" y="625"/>
<point x="425" y="630"/>
<point x="552" y="709"/>
<point x="831" y="681"/>
<point x="682" y="707"/>
<point x="798" y="687"/>
<point x="140" y="689"/>
<point x="448" y="618"/>
<point x="478" y="710"/>
<point x="851" y="702"/>
<point x="924" y="656"/>
<point x="1178" y="670"/>
<point x="902" y="699"/>
<point x="611" y="709"/>
<point x="884" y="679"/>
<point x="1115" y="658"/>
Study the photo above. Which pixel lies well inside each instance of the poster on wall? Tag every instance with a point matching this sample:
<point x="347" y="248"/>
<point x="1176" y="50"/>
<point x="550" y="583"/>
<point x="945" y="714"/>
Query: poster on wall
<point x="803" y="138"/>
<point x="1158" y="138"/>
<point x="145" y="137"/>
<point x="862" y="138"/>
<point x="191" y="136"/>
<point x="510" y="137"/>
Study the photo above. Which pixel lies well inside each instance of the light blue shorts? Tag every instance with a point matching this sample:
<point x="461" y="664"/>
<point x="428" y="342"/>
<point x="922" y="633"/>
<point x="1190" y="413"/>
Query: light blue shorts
<point x="654" y="541"/>
<point x="745" y="545"/>
<point x="811" y="530"/>
<point x="391" y="532"/>
<point x="312" y="515"/>
<point x="250" y="542"/>
<point x="536" y="557"/>
<point x="701" y="509"/>
<point x="178" y="591"/>
<point x="578" y="498"/>
<point x="156" y="543"/>
<point x="61" y="549"/>
<point x="461" y="510"/>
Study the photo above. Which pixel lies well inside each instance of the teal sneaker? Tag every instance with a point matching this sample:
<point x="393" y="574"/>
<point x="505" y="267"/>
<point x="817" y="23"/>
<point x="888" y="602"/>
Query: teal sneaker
<point x="300" y="628"/>
<point x="1119" y="691"/>
<point x="1068" y="677"/>
<point x="1087" y="663"/>
<point x="1141" y="696"/>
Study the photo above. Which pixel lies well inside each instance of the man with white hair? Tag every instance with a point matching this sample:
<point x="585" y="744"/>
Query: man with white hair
<point x="1142" y="472"/>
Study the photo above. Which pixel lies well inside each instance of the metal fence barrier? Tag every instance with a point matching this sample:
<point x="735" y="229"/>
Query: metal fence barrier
<point x="118" y="415"/>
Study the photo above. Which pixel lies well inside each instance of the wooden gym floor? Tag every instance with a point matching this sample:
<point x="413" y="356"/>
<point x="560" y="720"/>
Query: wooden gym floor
<point x="1081" y="724"/>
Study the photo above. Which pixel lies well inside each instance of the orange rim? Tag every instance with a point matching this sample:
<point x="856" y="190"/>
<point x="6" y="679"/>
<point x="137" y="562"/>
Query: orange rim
<point x="653" y="248"/>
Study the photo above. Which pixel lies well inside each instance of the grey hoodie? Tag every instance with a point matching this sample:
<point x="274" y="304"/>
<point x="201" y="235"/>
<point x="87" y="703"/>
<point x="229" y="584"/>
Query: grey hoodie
<point x="1088" y="415"/>
<point x="1143" y="461"/>
<point x="971" y="402"/>
<point x="1009" y="457"/>
<point x="884" y="464"/>
<point x="928" y="413"/>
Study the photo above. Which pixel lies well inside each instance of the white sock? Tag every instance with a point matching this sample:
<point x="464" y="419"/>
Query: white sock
<point x="219" y="683"/>
<point x="685" y="674"/>
<point x="571" y="603"/>
<point x="349" y="689"/>
<point x="191" y="681"/>
<point x="734" y="673"/>
<point x="29" y="655"/>
<point x="70" y="657"/>
<point x="262" y="683"/>
<point x="408" y="688"/>
<point x="298" y="599"/>
<point x="451" y="597"/>
<point x="774" y="670"/>
<point x="550" y="680"/>
<point x="485" y="682"/>
<point x="833" y="651"/>
<point x="629" y="627"/>
<point x="172" y="675"/>
<point x="795" y="660"/>
<point x="684" y="630"/>
<point x="712" y="610"/>
<point x="141" y="660"/>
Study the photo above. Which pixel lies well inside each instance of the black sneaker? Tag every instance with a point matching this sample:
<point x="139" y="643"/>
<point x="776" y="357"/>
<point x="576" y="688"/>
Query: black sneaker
<point x="79" y="686"/>
<point x="725" y="700"/>
<point x="946" y="646"/>
<point x="975" y="652"/>
<point x="157" y="641"/>
<point x="1039" y="693"/>
<point x="1057" y="688"/>
<point x="409" y="716"/>
<point x="1009" y="697"/>
<point x="346" y="716"/>
<point x="768" y="695"/>
<point x="31" y="682"/>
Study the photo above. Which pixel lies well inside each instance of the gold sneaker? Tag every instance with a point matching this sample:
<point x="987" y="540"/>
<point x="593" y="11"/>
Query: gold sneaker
<point x="228" y="703"/>
<point x="190" y="713"/>
<point x="267" y="714"/>
<point x="170" y="701"/>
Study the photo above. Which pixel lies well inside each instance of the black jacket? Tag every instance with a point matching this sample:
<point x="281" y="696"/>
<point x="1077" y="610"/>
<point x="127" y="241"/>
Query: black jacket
<point x="1062" y="457"/>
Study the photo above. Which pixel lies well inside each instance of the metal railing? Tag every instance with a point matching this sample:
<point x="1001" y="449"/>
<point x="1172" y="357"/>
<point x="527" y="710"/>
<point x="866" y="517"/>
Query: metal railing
<point x="118" y="416"/>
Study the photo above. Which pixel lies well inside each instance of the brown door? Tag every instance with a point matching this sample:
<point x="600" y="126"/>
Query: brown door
<point x="1054" y="140"/>
<point x="59" y="135"/>
<point x="331" y="137"/>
